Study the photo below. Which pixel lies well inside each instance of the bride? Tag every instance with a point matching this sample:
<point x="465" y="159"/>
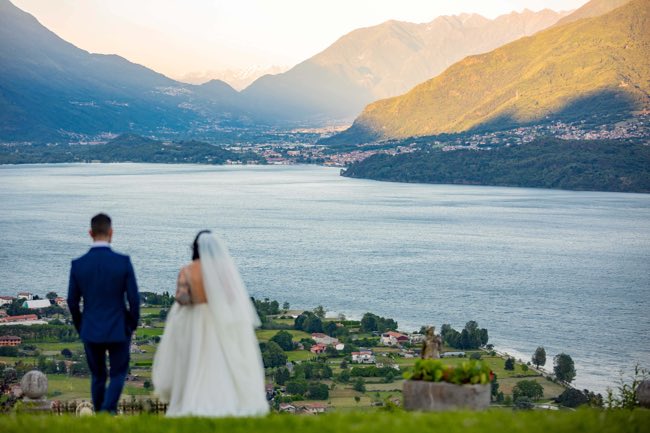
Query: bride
<point x="208" y="362"/>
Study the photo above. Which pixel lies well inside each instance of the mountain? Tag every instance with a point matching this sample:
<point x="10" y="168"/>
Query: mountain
<point x="50" y="89"/>
<point x="381" y="61"/>
<point x="239" y="79"/>
<point x="594" y="8"/>
<point x="589" y="67"/>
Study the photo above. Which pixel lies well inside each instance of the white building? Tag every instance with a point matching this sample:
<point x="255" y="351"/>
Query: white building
<point x="392" y="338"/>
<point x="363" y="357"/>
<point x="38" y="303"/>
<point x="4" y="300"/>
<point x="25" y="295"/>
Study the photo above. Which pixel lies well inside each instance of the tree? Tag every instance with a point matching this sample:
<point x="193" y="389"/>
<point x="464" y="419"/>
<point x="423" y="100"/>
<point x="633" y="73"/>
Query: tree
<point x="494" y="388"/>
<point x="282" y="375"/>
<point x="319" y="312"/>
<point x="539" y="357"/>
<point x="285" y="306"/>
<point x="344" y="376"/>
<point x="308" y="322"/>
<point x="359" y="385"/>
<point x="273" y="355"/>
<point x="330" y="329"/>
<point x="51" y="296"/>
<point x="67" y="353"/>
<point x="527" y="388"/>
<point x="297" y="387"/>
<point x="564" y="368"/>
<point x="147" y="384"/>
<point x="284" y="340"/>
<point x="572" y="397"/>
<point x="318" y="391"/>
<point x="524" y="403"/>
<point x="510" y="364"/>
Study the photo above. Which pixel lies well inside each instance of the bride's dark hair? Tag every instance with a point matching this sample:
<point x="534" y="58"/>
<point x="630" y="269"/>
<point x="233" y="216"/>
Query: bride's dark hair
<point x="195" y="245"/>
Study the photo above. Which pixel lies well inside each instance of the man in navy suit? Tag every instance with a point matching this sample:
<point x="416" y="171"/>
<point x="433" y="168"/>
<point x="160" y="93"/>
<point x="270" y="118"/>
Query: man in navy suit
<point x="105" y="280"/>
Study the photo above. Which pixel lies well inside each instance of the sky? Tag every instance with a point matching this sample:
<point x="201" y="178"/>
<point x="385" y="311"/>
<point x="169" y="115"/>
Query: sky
<point x="178" y="37"/>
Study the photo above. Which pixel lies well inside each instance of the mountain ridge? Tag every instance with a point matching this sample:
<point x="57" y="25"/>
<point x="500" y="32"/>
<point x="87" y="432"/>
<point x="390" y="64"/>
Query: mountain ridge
<point x="383" y="60"/>
<point x="524" y="81"/>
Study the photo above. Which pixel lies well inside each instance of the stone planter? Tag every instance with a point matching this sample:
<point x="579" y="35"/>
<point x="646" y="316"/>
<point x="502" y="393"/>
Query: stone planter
<point x="441" y="396"/>
<point x="643" y="393"/>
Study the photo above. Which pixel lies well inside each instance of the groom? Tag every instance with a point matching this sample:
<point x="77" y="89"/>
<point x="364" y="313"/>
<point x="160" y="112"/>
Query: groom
<point x="103" y="278"/>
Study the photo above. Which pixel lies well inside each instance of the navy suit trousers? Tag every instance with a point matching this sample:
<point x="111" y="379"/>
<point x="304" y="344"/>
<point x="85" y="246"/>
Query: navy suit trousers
<point x="106" y="399"/>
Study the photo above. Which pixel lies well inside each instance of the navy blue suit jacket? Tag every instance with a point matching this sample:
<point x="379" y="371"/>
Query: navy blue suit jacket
<point x="106" y="282"/>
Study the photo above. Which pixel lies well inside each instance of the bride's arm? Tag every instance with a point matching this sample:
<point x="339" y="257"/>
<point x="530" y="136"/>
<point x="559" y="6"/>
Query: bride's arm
<point x="183" y="294"/>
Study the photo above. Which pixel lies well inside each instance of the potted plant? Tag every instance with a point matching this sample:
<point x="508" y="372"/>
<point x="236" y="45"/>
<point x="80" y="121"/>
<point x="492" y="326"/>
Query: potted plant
<point x="434" y="386"/>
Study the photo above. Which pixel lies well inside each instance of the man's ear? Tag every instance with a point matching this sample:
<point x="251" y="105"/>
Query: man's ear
<point x="90" y="232"/>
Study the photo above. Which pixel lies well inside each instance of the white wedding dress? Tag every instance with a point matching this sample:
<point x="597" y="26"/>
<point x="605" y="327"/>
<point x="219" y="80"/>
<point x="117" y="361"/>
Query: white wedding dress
<point x="208" y="362"/>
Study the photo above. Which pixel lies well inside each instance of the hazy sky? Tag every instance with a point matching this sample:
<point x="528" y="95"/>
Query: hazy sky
<point x="176" y="37"/>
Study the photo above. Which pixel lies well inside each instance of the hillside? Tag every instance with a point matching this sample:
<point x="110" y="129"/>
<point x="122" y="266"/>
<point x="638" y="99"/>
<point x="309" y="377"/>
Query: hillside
<point x="52" y="90"/>
<point x="381" y="61"/>
<point x="545" y="163"/>
<point x="590" y="67"/>
<point x="125" y="148"/>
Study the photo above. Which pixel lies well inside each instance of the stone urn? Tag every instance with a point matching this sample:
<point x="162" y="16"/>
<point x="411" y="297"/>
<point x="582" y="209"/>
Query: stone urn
<point x="643" y="393"/>
<point x="443" y="396"/>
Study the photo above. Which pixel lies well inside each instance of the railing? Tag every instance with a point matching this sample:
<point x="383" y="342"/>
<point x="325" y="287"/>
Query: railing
<point x="125" y="407"/>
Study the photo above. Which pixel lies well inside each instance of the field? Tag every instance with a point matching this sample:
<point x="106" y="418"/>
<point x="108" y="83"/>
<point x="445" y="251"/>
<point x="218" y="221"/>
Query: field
<point x="492" y="421"/>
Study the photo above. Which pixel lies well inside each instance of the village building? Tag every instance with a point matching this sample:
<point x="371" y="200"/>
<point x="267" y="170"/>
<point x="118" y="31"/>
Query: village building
<point x="25" y="295"/>
<point x="392" y="338"/>
<point x="318" y="348"/>
<point x="26" y="319"/>
<point x="363" y="357"/>
<point x="324" y="339"/>
<point x="452" y="354"/>
<point x="61" y="302"/>
<point x="417" y="338"/>
<point x="10" y="340"/>
<point x="4" y="300"/>
<point x="37" y="304"/>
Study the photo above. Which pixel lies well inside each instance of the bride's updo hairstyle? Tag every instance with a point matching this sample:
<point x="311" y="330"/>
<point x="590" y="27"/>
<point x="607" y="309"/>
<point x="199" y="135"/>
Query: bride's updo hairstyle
<point x="195" y="245"/>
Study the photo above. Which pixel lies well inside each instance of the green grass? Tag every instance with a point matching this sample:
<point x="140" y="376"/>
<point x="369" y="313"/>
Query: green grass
<point x="264" y="335"/>
<point x="299" y="355"/>
<point x="58" y="347"/>
<point x="494" y="421"/>
<point x="63" y="387"/>
<point x="148" y="332"/>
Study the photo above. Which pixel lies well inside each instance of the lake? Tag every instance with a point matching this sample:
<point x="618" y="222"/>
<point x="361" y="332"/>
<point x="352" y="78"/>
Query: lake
<point x="562" y="269"/>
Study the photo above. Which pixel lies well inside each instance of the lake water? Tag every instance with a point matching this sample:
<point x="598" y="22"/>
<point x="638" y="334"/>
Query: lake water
<point x="566" y="270"/>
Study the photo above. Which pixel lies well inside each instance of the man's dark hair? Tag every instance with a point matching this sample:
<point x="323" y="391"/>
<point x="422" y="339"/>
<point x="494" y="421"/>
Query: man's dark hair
<point x="100" y="224"/>
<point x="195" y="244"/>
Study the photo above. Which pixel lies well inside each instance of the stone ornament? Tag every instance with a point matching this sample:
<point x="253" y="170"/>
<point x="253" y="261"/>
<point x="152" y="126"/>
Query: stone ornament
<point x="643" y="393"/>
<point x="34" y="385"/>
<point x="85" y="409"/>
<point x="432" y="344"/>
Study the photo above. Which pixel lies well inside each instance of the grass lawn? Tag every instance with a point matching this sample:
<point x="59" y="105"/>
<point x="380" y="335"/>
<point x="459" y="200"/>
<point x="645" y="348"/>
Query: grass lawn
<point x="149" y="310"/>
<point x="264" y="335"/>
<point x="299" y="355"/>
<point x="64" y="387"/>
<point x="493" y="421"/>
<point x="550" y="389"/>
<point x="148" y="332"/>
<point x="58" y="347"/>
